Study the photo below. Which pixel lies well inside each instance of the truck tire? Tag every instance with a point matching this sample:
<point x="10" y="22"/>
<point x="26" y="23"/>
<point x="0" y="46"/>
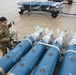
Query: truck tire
<point x="54" y="14"/>
<point x="21" y="12"/>
<point x="70" y="2"/>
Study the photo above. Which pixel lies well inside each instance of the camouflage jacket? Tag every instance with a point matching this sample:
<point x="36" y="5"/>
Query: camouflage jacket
<point x="4" y="33"/>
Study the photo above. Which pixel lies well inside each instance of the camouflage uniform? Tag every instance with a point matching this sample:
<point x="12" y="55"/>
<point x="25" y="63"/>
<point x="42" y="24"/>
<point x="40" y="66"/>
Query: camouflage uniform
<point x="5" y="38"/>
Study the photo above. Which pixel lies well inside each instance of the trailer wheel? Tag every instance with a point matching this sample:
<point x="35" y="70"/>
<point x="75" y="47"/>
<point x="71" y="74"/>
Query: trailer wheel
<point x="21" y="12"/>
<point x="70" y="2"/>
<point x="54" y="14"/>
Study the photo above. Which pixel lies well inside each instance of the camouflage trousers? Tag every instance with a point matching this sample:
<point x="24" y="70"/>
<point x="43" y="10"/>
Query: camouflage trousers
<point x="4" y="47"/>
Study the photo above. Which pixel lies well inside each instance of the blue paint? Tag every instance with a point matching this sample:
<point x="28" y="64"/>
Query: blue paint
<point x="35" y="3"/>
<point x="25" y="66"/>
<point x="1" y="74"/>
<point x="68" y="66"/>
<point x="9" y="60"/>
<point x="49" y="61"/>
<point x="47" y="4"/>
<point x="71" y="47"/>
<point x="32" y="3"/>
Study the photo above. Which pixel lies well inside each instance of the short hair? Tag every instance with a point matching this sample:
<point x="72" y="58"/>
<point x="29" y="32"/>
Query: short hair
<point x="2" y="19"/>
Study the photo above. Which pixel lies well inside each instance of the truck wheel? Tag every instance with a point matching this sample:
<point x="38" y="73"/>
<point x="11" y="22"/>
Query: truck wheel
<point x="70" y="2"/>
<point x="54" y="14"/>
<point x="21" y="12"/>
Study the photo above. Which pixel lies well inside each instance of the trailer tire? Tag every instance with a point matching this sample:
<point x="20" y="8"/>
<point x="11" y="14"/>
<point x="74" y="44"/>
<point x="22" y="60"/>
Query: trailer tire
<point x="54" y="14"/>
<point x="70" y="2"/>
<point x="21" y="12"/>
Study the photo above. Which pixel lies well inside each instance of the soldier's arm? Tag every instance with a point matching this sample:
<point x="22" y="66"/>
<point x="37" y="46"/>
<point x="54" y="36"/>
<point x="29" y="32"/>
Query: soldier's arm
<point x="4" y="39"/>
<point x="1" y="35"/>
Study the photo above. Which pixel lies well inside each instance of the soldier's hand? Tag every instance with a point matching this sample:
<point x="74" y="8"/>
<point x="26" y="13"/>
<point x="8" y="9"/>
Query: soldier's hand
<point x="13" y="22"/>
<point x="11" y="39"/>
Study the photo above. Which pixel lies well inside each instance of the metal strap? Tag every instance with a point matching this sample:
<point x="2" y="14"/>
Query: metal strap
<point x="2" y="71"/>
<point x="29" y="41"/>
<point x="50" y="46"/>
<point x="70" y="51"/>
<point x="11" y="74"/>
